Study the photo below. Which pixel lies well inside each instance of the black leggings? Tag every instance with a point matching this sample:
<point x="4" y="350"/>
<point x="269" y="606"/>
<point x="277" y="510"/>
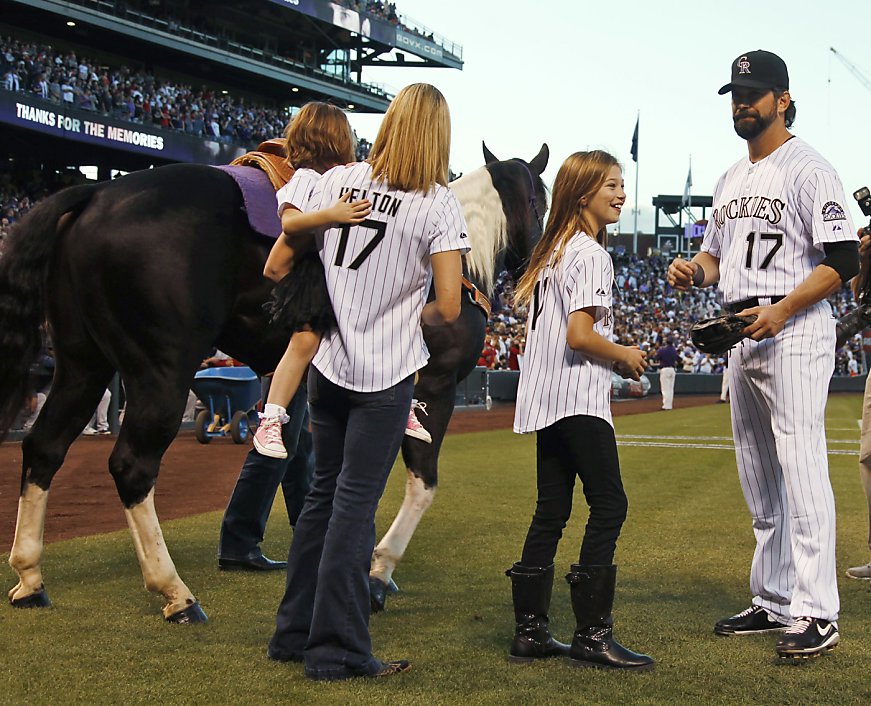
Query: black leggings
<point x="586" y="447"/>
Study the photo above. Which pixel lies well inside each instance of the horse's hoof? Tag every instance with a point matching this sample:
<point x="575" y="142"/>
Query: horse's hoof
<point x="34" y="600"/>
<point x="377" y="594"/>
<point x="186" y="616"/>
<point x="392" y="587"/>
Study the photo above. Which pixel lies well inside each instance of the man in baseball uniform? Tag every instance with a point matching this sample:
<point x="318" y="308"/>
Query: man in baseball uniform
<point x="667" y="357"/>
<point x="779" y="241"/>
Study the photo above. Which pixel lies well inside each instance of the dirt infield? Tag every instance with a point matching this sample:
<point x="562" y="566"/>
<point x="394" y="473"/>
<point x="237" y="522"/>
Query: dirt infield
<point x="194" y="478"/>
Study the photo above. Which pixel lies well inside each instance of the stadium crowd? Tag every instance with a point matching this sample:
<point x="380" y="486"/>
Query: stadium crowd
<point x="382" y="10"/>
<point x="385" y="11"/>
<point x="137" y="95"/>
<point x="20" y="191"/>
<point x="648" y="312"/>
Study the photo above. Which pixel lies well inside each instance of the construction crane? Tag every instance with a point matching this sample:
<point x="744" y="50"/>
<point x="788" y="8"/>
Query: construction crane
<point x="853" y="69"/>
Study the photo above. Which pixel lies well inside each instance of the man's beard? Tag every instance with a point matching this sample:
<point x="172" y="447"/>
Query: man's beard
<point x="751" y="126"/>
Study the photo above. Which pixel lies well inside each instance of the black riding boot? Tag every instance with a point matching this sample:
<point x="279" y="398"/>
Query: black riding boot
<point x="592" y="589"/>
<point x="531" y="589"/>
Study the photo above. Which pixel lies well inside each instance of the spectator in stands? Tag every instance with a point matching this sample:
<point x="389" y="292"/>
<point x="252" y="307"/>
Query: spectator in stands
<point x="212" y="127"/>
<point x="86" y="100"/>
<point x="11" y="79"/>
<point x="514" y="355"/>
<point x="55" y="94"/>
<point x="488" y="356"/>
<point x="363" y="147"/>
<point x="197" y="124"/>
<point x="40" y="86"/>
<point x="68" y="91"/>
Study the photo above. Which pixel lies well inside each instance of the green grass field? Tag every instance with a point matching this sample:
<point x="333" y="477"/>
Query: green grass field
<point x="684" y="559"/>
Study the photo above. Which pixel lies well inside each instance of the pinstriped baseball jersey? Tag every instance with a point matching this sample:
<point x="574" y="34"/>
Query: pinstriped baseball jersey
<point x="379" y="274"/>
<point x="556" y="381"/>
<point x="296" y="192"/>
<point x="770" y="220"/>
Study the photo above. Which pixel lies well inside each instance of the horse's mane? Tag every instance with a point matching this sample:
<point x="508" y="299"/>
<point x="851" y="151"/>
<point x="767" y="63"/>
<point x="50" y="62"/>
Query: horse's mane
<point x="485" y="218"/>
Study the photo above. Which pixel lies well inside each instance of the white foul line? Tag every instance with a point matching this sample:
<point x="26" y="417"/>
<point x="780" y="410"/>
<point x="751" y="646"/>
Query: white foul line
<point x="634" y="440"/>
<point x="711" y="438"/>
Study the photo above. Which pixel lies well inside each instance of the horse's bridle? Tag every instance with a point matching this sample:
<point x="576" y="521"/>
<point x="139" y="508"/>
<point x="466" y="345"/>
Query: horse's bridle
<point x="533" y="200"/>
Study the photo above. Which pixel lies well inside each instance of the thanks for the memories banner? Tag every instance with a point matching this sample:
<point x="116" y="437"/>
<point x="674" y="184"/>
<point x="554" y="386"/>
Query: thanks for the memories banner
<point x="68" y="123"/>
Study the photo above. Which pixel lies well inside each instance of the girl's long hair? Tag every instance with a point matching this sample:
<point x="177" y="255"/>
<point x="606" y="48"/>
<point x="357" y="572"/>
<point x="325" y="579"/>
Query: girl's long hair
<point x="582" y="174"/>
<point x="319" y="137"/>
<point x="413" y="145"/>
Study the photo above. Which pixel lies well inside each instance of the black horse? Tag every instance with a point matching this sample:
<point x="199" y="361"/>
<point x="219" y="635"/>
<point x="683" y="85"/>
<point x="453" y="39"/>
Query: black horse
<point x="143" y="276"/>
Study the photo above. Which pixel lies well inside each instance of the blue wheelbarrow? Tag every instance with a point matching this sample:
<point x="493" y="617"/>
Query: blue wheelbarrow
<point x="229" y="395"/>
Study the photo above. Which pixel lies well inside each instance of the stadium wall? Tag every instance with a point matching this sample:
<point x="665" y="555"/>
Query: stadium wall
<point x="503" y="384"/>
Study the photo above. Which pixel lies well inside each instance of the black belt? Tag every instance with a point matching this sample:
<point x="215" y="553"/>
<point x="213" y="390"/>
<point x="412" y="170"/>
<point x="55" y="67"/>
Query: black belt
<point x="735" y="307"/>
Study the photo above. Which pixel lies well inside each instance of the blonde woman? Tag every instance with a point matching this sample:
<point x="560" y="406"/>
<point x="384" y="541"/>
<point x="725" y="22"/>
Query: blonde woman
<point x="318" y="138"/>
<point x="378" y="275"/>
<point x="564" y="396"/>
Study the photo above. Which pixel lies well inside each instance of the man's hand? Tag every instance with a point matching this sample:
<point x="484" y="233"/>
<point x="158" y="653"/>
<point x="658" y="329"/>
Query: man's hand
<point x="680" y="273"/>
<point x="770" y="321"/>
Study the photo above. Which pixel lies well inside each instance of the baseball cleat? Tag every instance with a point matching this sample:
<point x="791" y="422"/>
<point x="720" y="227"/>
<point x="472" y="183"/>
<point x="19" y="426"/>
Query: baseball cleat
<point x="751" y="621"/>
<point x="808" y="637"/>
<point x="860" y="572"/>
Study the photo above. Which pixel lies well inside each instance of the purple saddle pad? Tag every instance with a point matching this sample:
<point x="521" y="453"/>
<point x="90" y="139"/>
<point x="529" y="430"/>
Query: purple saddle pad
<point x="259" y="197"/>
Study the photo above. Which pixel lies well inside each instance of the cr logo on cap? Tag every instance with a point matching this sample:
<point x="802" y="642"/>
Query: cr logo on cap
<point x="744" y="65"/>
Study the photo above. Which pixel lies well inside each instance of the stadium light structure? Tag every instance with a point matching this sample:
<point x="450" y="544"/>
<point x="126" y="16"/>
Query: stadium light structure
<point x="852" y="68"/>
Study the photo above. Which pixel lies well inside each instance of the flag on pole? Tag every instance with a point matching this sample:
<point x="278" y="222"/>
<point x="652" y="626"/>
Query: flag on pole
<point x="634" y="149"/>
<point x="687" y="199"/>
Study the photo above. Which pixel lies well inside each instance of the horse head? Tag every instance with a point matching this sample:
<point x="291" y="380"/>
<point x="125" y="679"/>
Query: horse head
<point x="504" y="203"/>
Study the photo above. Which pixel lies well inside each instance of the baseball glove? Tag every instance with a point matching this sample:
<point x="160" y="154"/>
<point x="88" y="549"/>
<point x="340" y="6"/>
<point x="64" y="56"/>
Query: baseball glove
<point x="719" y="334"/>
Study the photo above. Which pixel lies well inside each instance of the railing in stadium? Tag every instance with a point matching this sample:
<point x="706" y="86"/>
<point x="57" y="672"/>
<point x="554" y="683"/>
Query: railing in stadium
<point x="414" y="27"/>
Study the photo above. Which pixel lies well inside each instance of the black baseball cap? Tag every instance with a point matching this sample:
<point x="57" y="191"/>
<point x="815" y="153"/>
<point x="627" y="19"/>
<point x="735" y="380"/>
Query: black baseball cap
<point x="758" y="69"/>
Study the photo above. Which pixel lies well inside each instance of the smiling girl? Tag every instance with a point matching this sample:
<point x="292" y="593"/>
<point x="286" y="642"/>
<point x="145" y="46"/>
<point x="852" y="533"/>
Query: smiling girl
<point x="564" y="396"/>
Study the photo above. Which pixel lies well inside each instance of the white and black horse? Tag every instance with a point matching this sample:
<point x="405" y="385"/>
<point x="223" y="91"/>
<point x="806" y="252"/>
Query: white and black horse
<point x="504" y="204"/>
<point x="143" y="276"/>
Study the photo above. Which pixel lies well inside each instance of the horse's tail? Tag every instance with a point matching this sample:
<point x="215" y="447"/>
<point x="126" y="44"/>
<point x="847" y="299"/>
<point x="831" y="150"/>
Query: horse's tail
<point x="24" y="265"/>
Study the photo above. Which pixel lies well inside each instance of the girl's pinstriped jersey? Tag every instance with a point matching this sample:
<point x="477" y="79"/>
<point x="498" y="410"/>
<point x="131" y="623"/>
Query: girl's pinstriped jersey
<point x="379" y="275"/>
<point x="556" y="381"/>
<point x="297" y="191"/>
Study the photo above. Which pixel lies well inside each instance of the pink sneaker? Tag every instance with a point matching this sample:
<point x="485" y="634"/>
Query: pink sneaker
<point x="267" y="438"/>
<point x="414" y="428"/>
